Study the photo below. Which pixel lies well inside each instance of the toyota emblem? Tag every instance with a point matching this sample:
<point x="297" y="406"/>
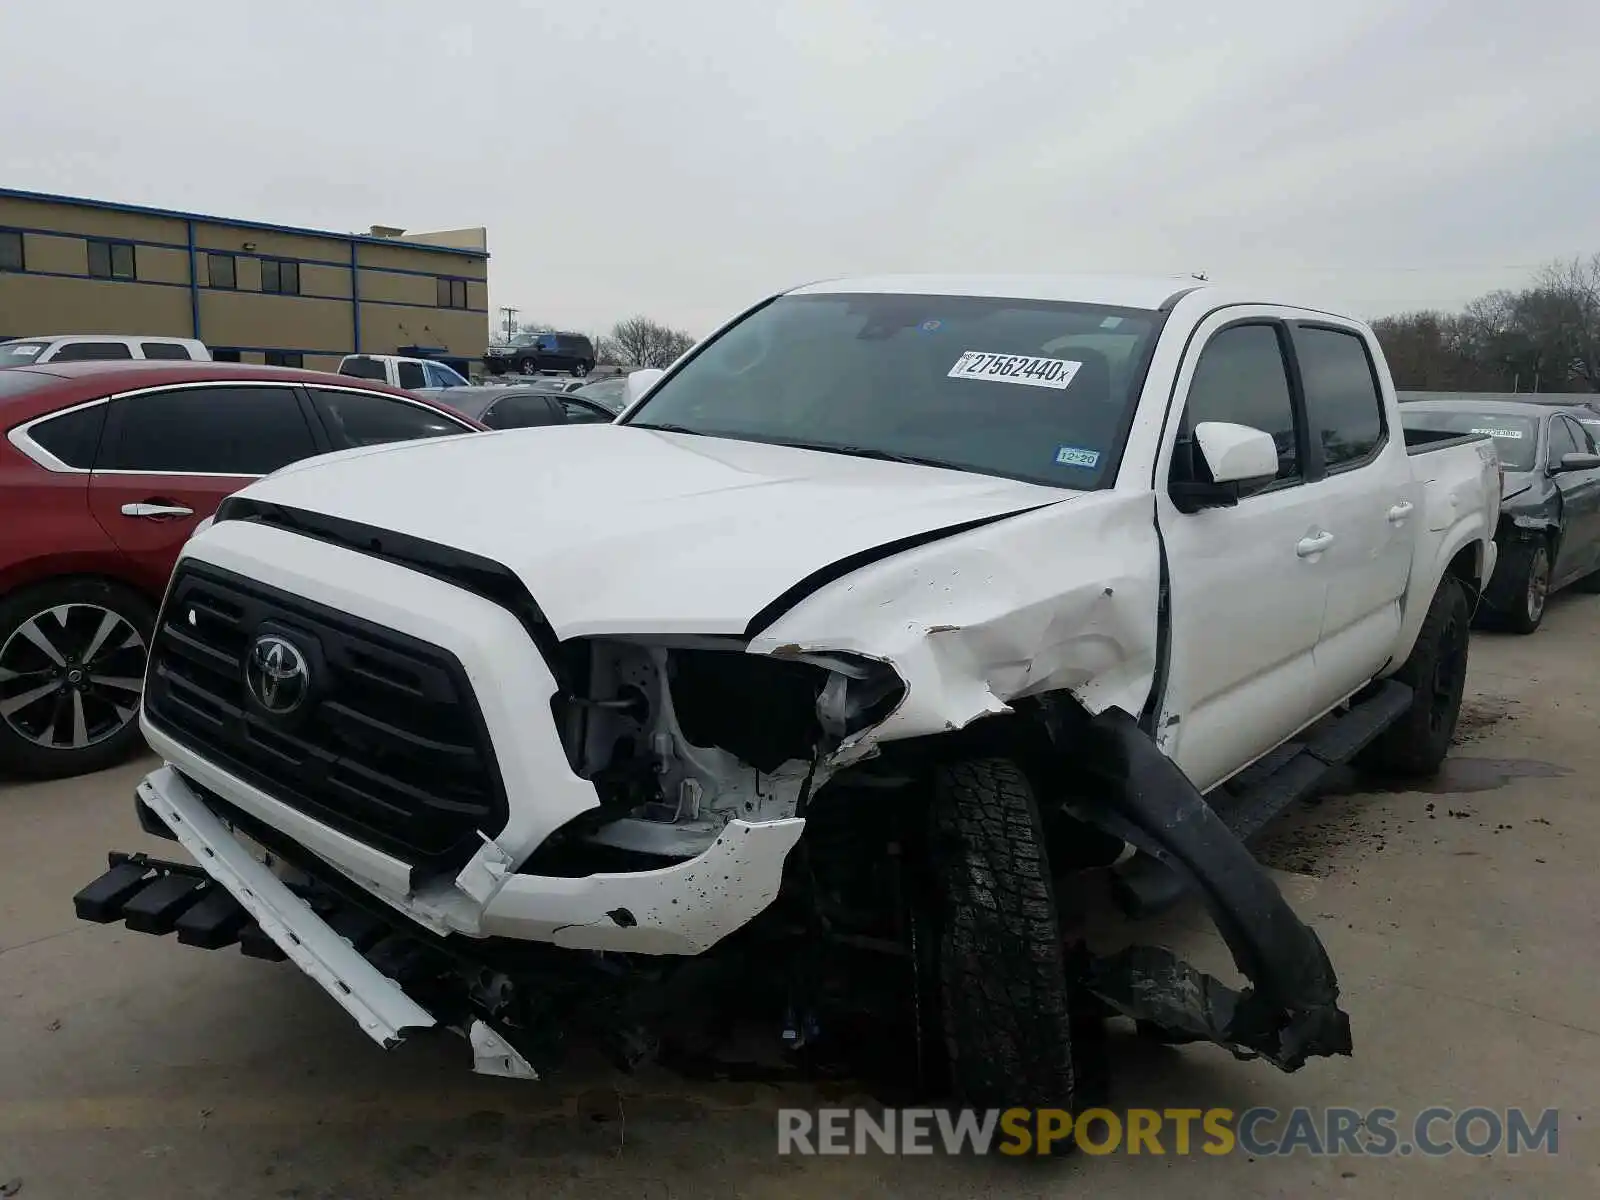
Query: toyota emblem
<point x="277" y="674"/>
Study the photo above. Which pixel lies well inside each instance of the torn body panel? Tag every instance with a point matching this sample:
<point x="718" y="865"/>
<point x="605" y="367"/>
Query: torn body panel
<point x="1290" y="1012"/>
<point x="1064" y="598"/>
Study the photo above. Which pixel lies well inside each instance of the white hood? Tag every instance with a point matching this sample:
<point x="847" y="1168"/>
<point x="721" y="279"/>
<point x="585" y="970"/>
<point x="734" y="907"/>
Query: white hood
<point x="622" y="530"/>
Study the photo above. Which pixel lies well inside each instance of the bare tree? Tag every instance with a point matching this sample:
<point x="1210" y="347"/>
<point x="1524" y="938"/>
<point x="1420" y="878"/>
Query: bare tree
<point x="1543" y="338"/>
<point x="641" y="342"/>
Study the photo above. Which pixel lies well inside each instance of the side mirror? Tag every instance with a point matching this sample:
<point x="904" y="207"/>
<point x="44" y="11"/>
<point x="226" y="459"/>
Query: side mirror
<point x="1237" y="458"/>
<point x="1238" y="454"/>
<point x="1579" y="461"/>
<point x="640" y="382"/>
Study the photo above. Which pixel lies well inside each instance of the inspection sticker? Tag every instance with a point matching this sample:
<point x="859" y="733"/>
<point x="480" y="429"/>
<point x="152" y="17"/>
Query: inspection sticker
<point x="1077" y="456"/>
<point x="1505" y="433"/>
<point x="1015" y="368"/>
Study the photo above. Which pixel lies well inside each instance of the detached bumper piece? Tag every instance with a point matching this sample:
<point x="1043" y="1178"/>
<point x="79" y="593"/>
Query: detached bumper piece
<point x="1291" y="1010"/>
<point x="237" y="899"/>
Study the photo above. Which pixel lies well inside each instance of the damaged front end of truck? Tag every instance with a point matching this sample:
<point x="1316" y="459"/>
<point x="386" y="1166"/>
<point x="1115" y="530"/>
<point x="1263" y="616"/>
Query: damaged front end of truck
<point x="764" y="809"/>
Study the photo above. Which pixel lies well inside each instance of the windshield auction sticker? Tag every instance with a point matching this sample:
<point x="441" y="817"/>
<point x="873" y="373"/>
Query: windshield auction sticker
<point x="1514" y="434"/>
<point x="1015" y="368"/>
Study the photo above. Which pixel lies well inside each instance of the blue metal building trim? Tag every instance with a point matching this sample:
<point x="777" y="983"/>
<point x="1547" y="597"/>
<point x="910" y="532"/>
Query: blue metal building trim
<point x="194" y="283"/>
<point x="178" y="215"/>
<point x="355" y="298"/>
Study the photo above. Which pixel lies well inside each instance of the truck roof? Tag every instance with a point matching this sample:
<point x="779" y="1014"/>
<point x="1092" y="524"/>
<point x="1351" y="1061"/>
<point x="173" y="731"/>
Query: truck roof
<point x="1119" y="291"/>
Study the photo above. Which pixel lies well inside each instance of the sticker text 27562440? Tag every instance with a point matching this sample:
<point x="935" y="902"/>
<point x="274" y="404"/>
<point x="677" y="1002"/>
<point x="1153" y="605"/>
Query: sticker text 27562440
<point x="1026" y="369"/>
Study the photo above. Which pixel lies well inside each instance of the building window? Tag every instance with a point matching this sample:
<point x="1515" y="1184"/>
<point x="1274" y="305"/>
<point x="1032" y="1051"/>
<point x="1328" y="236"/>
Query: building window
<point x="111" y="260"/>
<point x="222" y="271"/>
<point x="452" y="293"/>
<point x="280" y="276"/>
<point x="10" y="250"/>
<point x="285" y="358"/>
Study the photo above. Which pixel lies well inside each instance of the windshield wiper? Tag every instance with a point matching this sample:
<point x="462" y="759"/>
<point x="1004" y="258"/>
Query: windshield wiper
<point x="875" y="453"/>
<point x="667" y="428"/>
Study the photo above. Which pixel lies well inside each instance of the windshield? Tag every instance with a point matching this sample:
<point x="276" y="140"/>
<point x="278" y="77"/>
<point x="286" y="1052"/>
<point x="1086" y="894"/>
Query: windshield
<point x="20" y="354"/>
<point x="1025" y="389"/>
<point x="1516" y="438"/>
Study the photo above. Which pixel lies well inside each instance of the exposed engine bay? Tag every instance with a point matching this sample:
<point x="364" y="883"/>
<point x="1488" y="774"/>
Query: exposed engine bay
<point x="683" y="737"/>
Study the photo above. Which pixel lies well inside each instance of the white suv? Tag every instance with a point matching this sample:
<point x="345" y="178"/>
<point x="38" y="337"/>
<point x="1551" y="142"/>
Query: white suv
<point x="84" y="347"/>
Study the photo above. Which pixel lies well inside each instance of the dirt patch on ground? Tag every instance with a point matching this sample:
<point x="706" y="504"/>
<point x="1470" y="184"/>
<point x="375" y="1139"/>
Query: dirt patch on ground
<point x="1480" y="714"/>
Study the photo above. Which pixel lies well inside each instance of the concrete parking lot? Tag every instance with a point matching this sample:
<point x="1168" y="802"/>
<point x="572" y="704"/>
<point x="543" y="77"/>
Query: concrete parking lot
<point x="1462" y="920"/>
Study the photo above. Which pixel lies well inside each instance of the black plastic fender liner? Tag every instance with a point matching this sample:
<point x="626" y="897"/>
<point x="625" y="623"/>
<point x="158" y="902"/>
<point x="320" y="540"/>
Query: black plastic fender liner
<point x="1290" y="1012"/>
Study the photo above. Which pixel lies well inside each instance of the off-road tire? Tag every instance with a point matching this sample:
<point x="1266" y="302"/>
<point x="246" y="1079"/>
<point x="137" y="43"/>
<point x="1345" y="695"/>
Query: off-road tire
<point x="1416" y="745"/>
<point x="1006" y="1003"/>
<point x="29" y="760"/>
<point x="1517" y="613"/>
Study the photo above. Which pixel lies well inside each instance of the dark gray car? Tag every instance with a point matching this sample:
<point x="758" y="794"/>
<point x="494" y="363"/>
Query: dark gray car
<point x="515" y="407"/>
<point x="1549" y="533"/>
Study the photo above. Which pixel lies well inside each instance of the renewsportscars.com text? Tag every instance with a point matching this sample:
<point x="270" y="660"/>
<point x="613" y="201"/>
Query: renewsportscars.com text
<point x="1258" y="1132"/>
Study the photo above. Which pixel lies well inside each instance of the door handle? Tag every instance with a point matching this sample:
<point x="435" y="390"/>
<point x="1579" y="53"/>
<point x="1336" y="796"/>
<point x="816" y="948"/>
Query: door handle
<point x="156" y="512"/>
<point x="1400" y="512"/>
<point x="1315" y="543"/>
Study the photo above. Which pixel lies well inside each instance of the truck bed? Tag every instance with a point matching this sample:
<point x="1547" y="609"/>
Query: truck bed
<point x="1425" y="441"/>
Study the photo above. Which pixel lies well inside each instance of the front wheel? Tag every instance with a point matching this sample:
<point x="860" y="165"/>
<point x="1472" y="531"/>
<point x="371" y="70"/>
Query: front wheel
<point x="1524" y="610"/>
<point x="1417" y="743"/>
<point x="72" y="659"/>
<point x="527" y="366"/>
<point x="1007" y="1005"/>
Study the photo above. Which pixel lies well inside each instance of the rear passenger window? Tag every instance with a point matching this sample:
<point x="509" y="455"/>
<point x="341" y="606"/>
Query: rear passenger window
<point x="521" y="412"/>
<point x="368" y="419"/>
<point x="1343" y="405"/>
<point x="163" y="350"/>
<point x="410" y="375"/>
<point x="226" y="430"/>
<point x="1242" y="378"/>
<point x="91" y="352"/>
<point x="73" y="437"/>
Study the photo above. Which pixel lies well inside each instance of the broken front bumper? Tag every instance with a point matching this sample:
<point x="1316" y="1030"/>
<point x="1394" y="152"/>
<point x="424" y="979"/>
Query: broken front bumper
<point x="384" y="1012"/>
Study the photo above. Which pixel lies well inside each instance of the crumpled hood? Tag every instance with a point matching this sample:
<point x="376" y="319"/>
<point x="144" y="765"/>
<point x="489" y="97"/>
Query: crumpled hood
<point x="622" y="530"/>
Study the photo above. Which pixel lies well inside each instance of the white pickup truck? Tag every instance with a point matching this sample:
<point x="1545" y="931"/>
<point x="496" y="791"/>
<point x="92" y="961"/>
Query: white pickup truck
<point x="806" y="687"/>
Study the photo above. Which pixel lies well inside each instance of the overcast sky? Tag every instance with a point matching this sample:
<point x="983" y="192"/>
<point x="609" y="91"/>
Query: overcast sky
<point x="684" y="157"/>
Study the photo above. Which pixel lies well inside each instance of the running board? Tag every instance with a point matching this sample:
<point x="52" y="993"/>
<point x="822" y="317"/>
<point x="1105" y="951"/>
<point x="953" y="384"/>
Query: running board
<point x="1145" y="885"/>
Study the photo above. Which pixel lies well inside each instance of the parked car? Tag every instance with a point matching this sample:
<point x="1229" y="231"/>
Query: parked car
<point x="1549" y="527"/>
<point x="105" y="470"/>
<point x="608" y="393"/>
<point x="517" y="407"/>
<point x="92" y="347"/>
<point x="797" y="693"/>
<point x="412" y="374"/>
<point x="531" y="353"/>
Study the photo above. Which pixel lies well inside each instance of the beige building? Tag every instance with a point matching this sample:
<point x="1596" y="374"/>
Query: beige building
<point x="252" y="292"/>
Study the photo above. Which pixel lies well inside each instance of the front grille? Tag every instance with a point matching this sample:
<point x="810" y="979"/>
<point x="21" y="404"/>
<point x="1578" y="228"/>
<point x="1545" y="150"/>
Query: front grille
<point x="389" y="745"/>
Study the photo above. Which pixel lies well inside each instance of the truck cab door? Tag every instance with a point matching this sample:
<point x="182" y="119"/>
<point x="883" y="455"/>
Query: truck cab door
<point x="1247" y="584"/>
<point x="1371" y="501"/>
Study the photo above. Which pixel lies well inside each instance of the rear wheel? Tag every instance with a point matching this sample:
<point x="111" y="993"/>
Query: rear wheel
<point x="1008" y="1010"/>
<point x="580" y="369"/>
<point x="1417" y="743"/>
<point x="72" y="659"/>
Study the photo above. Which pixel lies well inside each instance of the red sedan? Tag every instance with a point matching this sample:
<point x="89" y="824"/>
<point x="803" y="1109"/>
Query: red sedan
<point x="105" y="470"/>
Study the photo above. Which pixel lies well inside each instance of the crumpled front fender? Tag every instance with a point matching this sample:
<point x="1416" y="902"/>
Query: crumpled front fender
<point x="1060" y="598"/>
